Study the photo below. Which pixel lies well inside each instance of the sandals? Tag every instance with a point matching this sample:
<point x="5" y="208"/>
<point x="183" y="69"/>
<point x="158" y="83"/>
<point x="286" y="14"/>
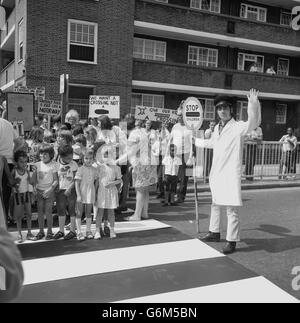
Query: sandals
<point x="71" y="235"/>
<point x="40" y="235"/>
<point x="80" y="237"/>
<point x="89" y="235"/>
<point x="49" y="236"/>
<point x="58" y="235"/>
<point x="30" y="237"/>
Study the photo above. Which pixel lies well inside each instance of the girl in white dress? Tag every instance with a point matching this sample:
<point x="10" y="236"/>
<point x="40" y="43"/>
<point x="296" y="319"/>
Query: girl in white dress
<point x="110" y="180"/>
<point x="86" y="184"/>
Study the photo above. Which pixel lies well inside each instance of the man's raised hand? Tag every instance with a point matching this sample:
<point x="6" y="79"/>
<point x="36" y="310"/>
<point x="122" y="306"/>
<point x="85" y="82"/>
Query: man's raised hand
<point x="253" y="96"/>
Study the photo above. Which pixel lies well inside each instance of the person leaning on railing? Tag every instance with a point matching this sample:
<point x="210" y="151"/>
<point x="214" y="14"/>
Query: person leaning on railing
<point x="287" y="162"/>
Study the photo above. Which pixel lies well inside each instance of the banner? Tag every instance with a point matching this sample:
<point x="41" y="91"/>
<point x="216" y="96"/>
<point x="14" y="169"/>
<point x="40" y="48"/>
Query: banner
<point x="39" y="92"/>
<point x="49" y="107"/>
<point x="156" y="114"/>
<point x="104" y="105"/>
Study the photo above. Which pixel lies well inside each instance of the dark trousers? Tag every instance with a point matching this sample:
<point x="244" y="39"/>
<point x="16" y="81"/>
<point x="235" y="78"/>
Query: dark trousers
<point x="182" y="178"/>
<point x="208" y="153"/>
<point x="160" y="174"/>
<point x="171" y="183"/>
<point x="6" y="191"/>
<point x="251" y="152"/>
<point x="126" y="177"/>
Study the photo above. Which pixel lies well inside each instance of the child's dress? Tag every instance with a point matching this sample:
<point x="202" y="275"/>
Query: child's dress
<point x="87" y="177"/>
<point x="108" y="198"/>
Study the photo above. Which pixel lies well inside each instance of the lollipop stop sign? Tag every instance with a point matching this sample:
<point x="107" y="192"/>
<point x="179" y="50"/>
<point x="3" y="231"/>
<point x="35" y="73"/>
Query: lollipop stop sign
<point x="192" y="113"/>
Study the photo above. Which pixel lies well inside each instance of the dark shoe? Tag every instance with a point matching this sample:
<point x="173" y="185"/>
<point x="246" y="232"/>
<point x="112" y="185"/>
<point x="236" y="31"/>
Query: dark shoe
<point x="229" y="248"/>
<point x="165" y="204"/>
<point x="211" y="237"/>
<point x="101" y="232"/>
<point x="49" y="236"/>
<point x="58" y="235"/>
<point x="71" y="235"/>
<point x="180" y="201"/>
<point x="106" y="231"/>
<point x="174" y="204"/>
<point x="40" y="235"/>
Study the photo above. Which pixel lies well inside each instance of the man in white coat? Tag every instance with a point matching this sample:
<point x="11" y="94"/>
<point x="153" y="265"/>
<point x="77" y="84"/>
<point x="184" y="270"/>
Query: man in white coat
<point x="225" y="175"/>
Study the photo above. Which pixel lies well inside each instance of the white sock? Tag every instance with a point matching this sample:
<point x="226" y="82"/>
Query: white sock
<point x="62" y="222"/>
<point x="73" y="224"/>
<point x="88" y="224"/>
<point x="78" y="225"/>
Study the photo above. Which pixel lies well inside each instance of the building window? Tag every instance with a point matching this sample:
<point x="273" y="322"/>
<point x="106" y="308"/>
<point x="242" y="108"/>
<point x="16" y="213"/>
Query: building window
<point x="281" y="110"/>
<point x="242" y="111"/>
<point x="285" y="18"/>
<point x="82" y="41"/>
<point x="203" y="56"/>
<point x="253" y="12"/>
<point x="21" y="38"/>
<point x="149" y="49"/>
<point x="208" y="108"/>
<point x="147" y="100"/>
<point x="246" y="61"/>
<point x="209" y="5"/>
<point x="283" y="66"/>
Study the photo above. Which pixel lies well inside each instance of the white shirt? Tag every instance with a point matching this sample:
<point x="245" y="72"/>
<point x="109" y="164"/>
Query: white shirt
<point x="45" y="174"/>
<point x="7" y="137"/>
<point x="287" y="146"/>
<point x="182" y="138"/>
<point x="171" y="165"/>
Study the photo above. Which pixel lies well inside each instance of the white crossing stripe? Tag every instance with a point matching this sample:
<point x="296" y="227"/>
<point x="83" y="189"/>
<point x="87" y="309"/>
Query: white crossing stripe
<point x="104" y="261"/>
<point x="251" y="290"/>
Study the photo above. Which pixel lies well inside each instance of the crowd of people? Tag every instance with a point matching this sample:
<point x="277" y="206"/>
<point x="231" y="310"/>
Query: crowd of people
<point x="84" y="170"/>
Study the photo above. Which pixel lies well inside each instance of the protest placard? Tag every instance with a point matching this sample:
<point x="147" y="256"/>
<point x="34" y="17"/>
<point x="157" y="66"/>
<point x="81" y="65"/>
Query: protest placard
<point x="155" y="114"/>
<point x="49" y="107"/>
<point x="104" y="105"/>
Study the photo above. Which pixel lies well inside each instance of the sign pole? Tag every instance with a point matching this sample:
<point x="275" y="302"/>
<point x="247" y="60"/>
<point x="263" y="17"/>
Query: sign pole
<point x="193" y="119"/>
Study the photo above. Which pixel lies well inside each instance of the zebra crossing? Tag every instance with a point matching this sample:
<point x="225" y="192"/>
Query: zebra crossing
<point x="149" y="262"/>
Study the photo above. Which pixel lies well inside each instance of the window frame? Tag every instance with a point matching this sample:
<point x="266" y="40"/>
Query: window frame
<point x="244" y="54"/>
<point x="198" y="56"/>
<point x="284" y="105"/>
<point x="288" y="66"/>
<point x="205" y="112"/>
<point x="70" y="21"/>
<point x="155" y="42"/>
<point x="200" y="6"/>
<point x="247" y="6"/>
<point x="240" y="106"/>
<point x="149" y="94"/>
<point x="20" y="42"/>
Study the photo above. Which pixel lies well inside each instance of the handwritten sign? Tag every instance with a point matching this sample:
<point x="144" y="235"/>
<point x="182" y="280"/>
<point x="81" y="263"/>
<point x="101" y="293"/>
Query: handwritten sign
<point x="49" y="107"/>
<point x="104" y="105"/>
<point x="155" y="114"/>
<point x="39" y="92"/>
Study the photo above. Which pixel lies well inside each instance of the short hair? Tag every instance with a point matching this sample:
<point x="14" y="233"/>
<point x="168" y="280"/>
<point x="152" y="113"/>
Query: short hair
<point x="92" y="132"/>
<point x="18" y="154"/>
<point x="80" y="139"/>
<point x="57" y="119"/>
<point x="48" y="136"/>
<point x="47" y="149"/>
<point x="106" y="123"/>
<point x="67" y="136"/>
<point x="66" y="126"/>
<point x="72" y="114"/>
<point x="77" y="130"/>
<point x="35" y="133"/>
<point x="65" y="150"/>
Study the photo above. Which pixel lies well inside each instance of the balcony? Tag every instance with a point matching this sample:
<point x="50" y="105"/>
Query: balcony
<point x="177" y="22"/>
<point x="7" y="77"/>
<point x="8" y="35"/>
<point x="182" y="77"/>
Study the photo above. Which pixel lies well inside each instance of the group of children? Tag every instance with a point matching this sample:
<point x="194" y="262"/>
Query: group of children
<point x="66" y="172"/>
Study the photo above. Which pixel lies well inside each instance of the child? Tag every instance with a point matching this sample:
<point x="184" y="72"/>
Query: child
<point x="34" y="143"/>
<point x="171" y="163"/>
<point x="66" y="195"/>
<point x="91" y="137"/>
<point x="79" y="149"/>
<point x="64" y="138"/>
<point x="22" y="201"/>
<point x="107" y="196"/>
<point x="45" y="179"/>
<point x="86" y="192"/>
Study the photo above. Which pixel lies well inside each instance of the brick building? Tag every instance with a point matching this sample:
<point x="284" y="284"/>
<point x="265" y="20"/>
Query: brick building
<point x="156" y="53"/>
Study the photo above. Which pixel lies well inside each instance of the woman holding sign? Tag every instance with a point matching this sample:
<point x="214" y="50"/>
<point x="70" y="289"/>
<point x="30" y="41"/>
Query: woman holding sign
<point x="225" y="175"/>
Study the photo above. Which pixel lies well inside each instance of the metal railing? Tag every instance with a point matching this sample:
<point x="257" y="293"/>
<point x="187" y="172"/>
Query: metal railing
<point x="264" y="161"/>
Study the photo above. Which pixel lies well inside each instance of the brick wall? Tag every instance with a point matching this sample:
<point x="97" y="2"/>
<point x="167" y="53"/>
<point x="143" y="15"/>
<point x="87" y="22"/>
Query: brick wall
<point x="47" y="46"/>
<point x="184" y="17"/>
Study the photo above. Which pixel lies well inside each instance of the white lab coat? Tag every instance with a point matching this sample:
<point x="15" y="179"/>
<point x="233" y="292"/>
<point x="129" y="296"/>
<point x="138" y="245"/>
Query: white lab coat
<point x="225" y="175"/>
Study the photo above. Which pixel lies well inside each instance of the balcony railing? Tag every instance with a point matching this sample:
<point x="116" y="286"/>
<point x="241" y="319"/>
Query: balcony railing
<point x="187" y="18"/>
<point x="7" y="75"/>
<point x="164" y="72"/>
